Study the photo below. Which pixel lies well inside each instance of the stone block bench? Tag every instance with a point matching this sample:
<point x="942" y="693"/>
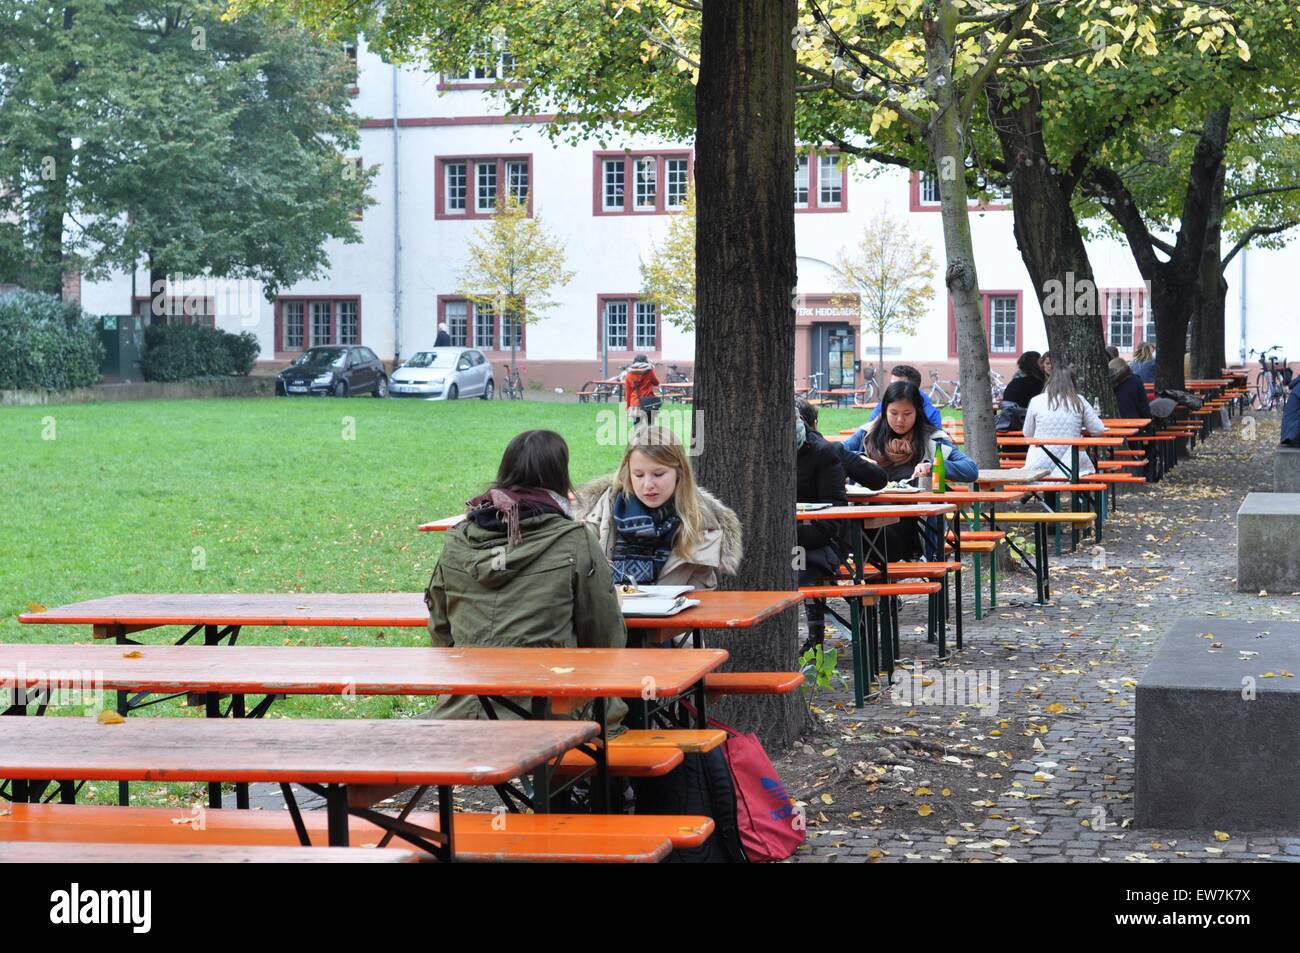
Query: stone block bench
<point x="1286" y="470"/>
<point x="1268" y="543"/>
<point x="1218" y="745"/>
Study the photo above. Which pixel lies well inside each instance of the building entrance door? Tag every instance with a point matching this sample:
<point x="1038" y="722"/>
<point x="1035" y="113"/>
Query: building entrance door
<point x="834" y="354"/>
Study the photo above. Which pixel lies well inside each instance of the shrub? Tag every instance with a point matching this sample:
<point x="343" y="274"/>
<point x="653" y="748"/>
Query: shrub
<point x="46" y="343"/>
<point x="178" y="352"/>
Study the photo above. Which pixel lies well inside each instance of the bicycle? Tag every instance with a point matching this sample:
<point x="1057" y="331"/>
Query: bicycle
<point x="814" y="392"/>
<point x="940" y="397"/>
<point x="1272" y="383"/>
<point x="675" y="376"/>
<point x="512" y="385"/>
<point x="999" y="385"/>
<point x="870" y="391"/>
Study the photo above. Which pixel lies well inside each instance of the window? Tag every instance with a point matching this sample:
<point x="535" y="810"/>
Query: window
<point x="1149" y="331"/>
<point x="348" y="327"/>
<point x="456" y="318"/>
<point x="830" y="177"/>
<point x="485" y="195"/>
<point x="801" y="182"/>
<point x="627" y="323"/>
<point x="1120" y="310"/>
<point x="647" y="325"/>
<point x="293" y="325"/>
<point x="929" y="188"/>
<point x="676" y="182"/>
<point x="658" y="182"/>
<point x="1001" y="313"/>
<point x="360" y="210"/>
<point x="311" y="322"/>
<point x="454" y="178"/>
<point x="819" y="183"/>
<point x="924" y="195"/>
<point x="320" y="323"/>
<point x="616" y="325"/>
<point x="613" y="185"/>
<point x="645" y="183"/>
<point x="177" y="309"/>
<point x="517" y="181"/>
<point x="350" y="51"/>
<point x="485" y="325"/>
<point x="489" y="176"/>
<point x="494" y="65"/>
<point x="1002" y="324"/>
<point x="510" y="332"/>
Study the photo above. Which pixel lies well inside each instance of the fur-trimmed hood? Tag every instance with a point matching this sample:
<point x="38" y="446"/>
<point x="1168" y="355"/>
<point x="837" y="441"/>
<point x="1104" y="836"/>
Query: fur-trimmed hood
<point x="721" y="549"/>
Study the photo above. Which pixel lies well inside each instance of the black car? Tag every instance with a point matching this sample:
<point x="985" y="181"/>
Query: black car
<point x="338" y="369"/>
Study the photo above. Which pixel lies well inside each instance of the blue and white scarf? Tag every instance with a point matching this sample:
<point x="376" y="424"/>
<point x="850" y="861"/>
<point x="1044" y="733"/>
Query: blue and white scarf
<point x="643" y="538"/>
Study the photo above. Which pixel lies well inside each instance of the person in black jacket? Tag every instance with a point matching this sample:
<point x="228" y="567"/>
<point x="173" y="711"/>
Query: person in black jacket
<point x="1028" y="382"/>
<point x="444" y="337"/>
<point x="822" y="468"/>
<point x="1130" y="393"/>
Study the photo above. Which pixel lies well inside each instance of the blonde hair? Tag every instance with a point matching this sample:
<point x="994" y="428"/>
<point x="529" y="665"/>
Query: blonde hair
<point x="1144" y="351"/>
<point x="665" y="448"/>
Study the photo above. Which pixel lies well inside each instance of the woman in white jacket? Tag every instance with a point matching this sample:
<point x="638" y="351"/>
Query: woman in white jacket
<point x="1059" y="411"/>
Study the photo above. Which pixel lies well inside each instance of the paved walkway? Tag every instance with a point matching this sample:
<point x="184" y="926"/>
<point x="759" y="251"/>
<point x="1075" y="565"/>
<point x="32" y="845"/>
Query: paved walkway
<point x="1051" y="775"/>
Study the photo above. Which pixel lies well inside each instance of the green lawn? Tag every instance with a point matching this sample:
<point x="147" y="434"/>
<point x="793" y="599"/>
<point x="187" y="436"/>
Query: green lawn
<point x="268" y="495"/>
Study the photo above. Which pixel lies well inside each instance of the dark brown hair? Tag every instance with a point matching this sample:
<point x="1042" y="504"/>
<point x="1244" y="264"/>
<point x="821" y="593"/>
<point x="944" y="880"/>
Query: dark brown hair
<point x="535" y="459"/>
<point x="807" y="411"/>
<point x="907" y="372"/>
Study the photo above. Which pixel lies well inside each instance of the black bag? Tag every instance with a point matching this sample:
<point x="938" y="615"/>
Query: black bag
<point x="1011" y="417"/>
<point x="700" y="785"/>
<point x="650" y="403"/>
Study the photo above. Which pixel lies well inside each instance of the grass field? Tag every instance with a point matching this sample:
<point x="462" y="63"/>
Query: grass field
<point x="265" y="495"/>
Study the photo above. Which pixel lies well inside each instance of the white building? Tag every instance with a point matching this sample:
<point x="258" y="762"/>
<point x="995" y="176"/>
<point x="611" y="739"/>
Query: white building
<point x="444" y="150"/>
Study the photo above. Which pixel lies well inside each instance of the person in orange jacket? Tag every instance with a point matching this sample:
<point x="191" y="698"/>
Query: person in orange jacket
<point x="639" y="383"/>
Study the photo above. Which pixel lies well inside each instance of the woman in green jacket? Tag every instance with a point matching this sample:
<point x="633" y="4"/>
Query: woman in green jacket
<point x="520" y="572"/>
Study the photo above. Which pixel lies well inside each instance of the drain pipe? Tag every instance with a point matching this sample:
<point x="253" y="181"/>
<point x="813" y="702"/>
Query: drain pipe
<point x="397" y="229"/>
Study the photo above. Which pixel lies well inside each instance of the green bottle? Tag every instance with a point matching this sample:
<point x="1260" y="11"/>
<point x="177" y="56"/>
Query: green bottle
<point x="940" y="482"/>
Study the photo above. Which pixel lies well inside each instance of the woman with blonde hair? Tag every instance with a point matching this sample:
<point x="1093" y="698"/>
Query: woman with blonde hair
<point x="1143" y="364"/>
<point x="655" y="524"/>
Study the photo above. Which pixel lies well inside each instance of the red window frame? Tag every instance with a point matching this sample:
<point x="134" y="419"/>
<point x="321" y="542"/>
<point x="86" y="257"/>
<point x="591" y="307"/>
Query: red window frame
<point x="914" y="203"/>
<point x="986" y="309"/>
<point x="471" y="212"/>
<point x="655" y="353"/>
<point x="814" y="186"/>
<point x="307" y="342"/>
<point x="471" y="329"/>
<point x="629" y="188"/>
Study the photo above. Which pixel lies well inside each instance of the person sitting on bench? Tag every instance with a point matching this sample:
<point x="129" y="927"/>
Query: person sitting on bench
<point x="1059" y="411"/>
<point x="821" y="477"/>
<point x="1130" y="394"/>
<point x="900" y="374"/>
<point x="521" y="572"/>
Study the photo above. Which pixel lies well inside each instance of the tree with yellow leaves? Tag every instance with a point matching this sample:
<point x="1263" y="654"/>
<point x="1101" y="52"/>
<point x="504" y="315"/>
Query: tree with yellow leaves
<point x="514" y="263"/>
<point x="668" y="278"/>
<point x="892" y="273"/>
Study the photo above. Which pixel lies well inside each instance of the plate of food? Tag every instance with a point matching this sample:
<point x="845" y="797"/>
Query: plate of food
<point x="633" y="590"/>
<point x="901" y="486"/>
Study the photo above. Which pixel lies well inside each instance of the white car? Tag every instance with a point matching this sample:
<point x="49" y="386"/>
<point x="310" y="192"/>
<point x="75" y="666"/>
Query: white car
<point x="444" y="373"/>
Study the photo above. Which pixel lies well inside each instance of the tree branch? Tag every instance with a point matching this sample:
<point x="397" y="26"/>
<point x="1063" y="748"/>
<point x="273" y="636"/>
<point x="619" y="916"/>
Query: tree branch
<point x="1257" y="231"/>
<point x="1125" y="212"/>
<point x="990" y="64"/>
<point x="911" y="118"/>
<point x="1254" y="192"/>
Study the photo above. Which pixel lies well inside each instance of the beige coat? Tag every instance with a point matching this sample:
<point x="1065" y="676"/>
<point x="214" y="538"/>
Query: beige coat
<point x="720" y="550"/>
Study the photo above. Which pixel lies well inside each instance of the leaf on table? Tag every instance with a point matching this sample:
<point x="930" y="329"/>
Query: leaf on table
<point x="561" y="670"/>
<point x="109" y="717"/>
<point x="133" y="654"/>
<point x="37" y="607"/>
<point x="1222" y="836"/>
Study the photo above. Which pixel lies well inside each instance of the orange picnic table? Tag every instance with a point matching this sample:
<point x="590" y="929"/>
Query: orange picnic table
<point x="328" y="757"/>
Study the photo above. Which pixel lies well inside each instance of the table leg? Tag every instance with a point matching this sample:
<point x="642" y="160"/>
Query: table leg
<point x="1074" y="497"/>
<point x="956" y="555"/>
<point x="118" y="633"/>
<point x="336" y="814"/>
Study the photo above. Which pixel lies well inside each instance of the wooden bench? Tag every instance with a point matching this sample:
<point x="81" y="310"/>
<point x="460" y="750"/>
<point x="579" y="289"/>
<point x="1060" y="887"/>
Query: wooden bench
<point x="76" y="852"/>
<point x="717" y="684"/>
<point x="340" y="760"/>
<point x="480" y="837"/>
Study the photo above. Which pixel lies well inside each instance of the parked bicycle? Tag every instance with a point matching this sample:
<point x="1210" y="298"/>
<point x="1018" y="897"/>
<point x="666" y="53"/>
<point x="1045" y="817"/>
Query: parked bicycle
<point x="512" y="383"/>
<point x="813" y="391"/>
<point x="1273" y="382"/>
<point x="675" y="376"/>
<point x="941" y="397"/>
<point x="870" y="386"/>
<point x="999" y="385"/>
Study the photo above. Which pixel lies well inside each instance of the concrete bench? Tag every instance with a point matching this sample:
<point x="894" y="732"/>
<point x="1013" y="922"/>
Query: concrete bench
<point x="1286" y="470"/>
<point x="1268" y="525"/>
<point x="1218" y="746"/>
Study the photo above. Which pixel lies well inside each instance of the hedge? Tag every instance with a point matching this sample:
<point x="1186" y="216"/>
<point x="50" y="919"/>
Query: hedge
<point x="46" y="343"/>
<point x="178" y="352"/>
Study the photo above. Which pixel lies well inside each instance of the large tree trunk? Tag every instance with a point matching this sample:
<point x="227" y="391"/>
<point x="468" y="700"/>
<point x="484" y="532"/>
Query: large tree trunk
<point x="947" y="143"/>
<point x="744" y="338"/>
<point x="55" y="168"/>
<point x="158" y="304"/>
<point x="1208" y="355"/>
<point x="1052" y="247"/>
